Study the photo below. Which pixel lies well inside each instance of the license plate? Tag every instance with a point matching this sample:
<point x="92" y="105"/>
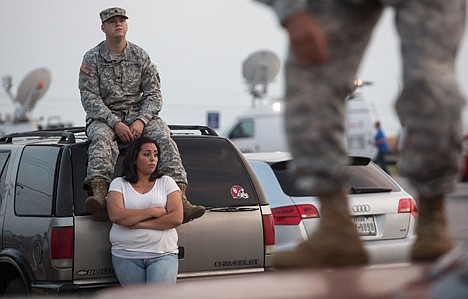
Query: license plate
<point x="365" y="225"/>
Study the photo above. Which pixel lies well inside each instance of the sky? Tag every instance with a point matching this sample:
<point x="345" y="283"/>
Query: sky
<point x="198" y="46"/>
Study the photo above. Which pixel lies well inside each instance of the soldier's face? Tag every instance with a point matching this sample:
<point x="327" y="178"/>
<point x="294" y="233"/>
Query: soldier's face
<point x="115" y="27"/>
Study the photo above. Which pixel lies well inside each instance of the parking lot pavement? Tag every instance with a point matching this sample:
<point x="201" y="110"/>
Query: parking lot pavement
<point x="362" y="282"/>
<point x="447" y="279"/>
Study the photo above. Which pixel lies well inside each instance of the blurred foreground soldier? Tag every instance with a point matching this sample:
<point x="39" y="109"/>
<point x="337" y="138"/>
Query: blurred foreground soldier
<point x="327" y="41"/>
<point x="120" y="92"/>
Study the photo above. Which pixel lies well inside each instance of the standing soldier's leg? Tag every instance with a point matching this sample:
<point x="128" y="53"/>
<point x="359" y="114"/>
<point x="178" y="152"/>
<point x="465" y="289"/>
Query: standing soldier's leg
<point x="102" y="156"/>
<point x="315" y="116"/>
<point x="429" y="108"/>
<point x="171" y="164"/>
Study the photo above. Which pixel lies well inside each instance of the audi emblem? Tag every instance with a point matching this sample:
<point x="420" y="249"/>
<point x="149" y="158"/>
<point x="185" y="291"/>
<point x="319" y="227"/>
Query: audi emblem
<point x="361" y="208"/>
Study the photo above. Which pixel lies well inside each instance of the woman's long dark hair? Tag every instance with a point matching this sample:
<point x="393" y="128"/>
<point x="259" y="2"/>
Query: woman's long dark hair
<point x="129" y="171"/>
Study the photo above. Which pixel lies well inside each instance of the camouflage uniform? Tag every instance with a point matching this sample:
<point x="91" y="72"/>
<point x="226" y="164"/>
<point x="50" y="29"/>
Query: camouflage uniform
<point x="429" y="105"/>
<point x="124" y="90"/>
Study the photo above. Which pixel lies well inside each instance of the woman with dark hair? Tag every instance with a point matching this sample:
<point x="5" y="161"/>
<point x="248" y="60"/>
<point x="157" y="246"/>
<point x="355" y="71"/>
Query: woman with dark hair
<point x="145" y="207"/>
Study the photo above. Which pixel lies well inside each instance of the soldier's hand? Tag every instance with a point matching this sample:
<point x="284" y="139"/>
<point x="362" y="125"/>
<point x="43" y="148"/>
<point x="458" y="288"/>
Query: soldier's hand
<point x="123" y="132"/>
<point x="308" y="41"/>
<point x="137" y="128"/>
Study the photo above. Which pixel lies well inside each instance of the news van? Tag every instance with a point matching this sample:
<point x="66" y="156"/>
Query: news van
<point x="261" y="129"/>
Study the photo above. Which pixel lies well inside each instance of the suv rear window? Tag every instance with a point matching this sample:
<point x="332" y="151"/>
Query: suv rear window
<point x="217" y="177"/>
<point x="35" y="183"/>
<point x="362" y="176"/>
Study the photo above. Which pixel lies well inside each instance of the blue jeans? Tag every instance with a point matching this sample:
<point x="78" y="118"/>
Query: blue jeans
<point x="141" y="271"/>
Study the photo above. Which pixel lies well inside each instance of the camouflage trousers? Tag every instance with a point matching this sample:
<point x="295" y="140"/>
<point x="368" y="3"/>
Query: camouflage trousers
<point x="103" y="151"/>
<point x="429" y="106"/>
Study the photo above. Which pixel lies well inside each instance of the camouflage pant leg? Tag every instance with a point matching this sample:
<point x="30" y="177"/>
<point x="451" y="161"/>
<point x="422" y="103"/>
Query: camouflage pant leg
<point x="170" y="162"/>
<point x="315" y="95"/>
<point x="430" y="103"/>
<point x="102" y="152"/>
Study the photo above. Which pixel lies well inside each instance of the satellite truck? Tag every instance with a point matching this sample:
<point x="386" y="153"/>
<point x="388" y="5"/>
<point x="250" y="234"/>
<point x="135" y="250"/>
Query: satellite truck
<point x="261" y="128"/>
<point x="31" y="89"/>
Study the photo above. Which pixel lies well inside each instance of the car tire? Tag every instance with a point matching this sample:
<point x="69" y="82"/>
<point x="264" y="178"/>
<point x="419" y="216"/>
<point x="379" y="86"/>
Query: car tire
<point x="16" y="287"/>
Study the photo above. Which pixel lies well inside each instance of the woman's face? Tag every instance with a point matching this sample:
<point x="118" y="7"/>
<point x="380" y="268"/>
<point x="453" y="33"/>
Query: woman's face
<point x="147" y="159"/>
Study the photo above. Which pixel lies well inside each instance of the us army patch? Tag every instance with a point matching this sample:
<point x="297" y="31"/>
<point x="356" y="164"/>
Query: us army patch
<point x="85" y="68"/>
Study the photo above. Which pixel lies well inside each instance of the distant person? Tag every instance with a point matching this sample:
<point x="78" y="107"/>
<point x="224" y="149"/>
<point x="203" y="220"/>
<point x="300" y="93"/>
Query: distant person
<point x="120" y="92"/>
<point x="381" y="143"/>
<point x="327" y="41"/>
<point x="145" y="207"/>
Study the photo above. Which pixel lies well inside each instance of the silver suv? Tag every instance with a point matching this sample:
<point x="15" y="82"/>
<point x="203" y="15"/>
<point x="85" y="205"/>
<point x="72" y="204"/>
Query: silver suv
<point x="50" y="244"/>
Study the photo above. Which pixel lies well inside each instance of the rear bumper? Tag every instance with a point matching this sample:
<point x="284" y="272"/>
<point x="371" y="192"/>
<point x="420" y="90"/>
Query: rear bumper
<point x="48" y="288"/>
<point x="380" y="251"/>
<point x="390" y="251"/>
<point x="65" y="288"/>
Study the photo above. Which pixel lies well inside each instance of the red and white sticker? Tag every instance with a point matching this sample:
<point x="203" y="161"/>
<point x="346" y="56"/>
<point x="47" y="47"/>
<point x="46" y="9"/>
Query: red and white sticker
<point x="237" y="192"/>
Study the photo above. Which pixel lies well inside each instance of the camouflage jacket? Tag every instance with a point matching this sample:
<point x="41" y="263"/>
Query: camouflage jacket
<point x="285" y="8"/>
<point x="125" y="89"/>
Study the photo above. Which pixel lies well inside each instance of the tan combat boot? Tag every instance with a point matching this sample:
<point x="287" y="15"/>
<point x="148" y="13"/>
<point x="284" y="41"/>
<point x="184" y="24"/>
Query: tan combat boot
<point x="190" y="211"/>
<point x="336" y="242"/>
<point x="433" y="239"/>
<point x="96" y="204"/>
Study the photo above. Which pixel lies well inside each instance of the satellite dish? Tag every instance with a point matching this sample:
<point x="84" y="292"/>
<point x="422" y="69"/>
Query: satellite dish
<point x="261" y="67"/>
<point x="33" y="87"/>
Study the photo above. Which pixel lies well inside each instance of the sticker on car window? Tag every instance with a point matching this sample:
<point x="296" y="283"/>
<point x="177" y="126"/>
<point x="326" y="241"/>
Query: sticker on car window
<point x="237" y="192"/>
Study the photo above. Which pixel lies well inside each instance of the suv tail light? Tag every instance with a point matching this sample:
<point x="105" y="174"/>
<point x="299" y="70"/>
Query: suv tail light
<point x="61" y="246"/>
<point x="269" y="233"/>
<point x="292" y="215"/>
<point x="408" y="205"/>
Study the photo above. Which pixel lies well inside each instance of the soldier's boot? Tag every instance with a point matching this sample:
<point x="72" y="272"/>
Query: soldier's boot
<point x="96" y="203"/>
<point x="336" y="242"/>
<point x="433" y="239"/>
<point x="190" y="211"/>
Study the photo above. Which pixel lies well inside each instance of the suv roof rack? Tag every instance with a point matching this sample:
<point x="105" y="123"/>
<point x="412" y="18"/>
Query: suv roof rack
<point x="67" y="135"/>
<point x="204" y="130"/>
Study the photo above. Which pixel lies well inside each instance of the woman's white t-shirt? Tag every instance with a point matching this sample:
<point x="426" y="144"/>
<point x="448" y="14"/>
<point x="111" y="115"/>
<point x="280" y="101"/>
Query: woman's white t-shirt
<point x="143" y="243"/>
